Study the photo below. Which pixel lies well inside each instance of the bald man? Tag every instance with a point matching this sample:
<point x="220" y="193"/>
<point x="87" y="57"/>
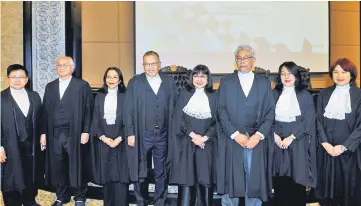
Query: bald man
<point x="66" y="120"/>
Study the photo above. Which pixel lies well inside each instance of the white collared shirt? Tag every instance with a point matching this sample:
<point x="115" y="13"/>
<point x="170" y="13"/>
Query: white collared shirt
<point x="154" y="82"/>
<point x="63" y="84"/>
<point x="22" y="99"/>
<point x="246" y="80"/>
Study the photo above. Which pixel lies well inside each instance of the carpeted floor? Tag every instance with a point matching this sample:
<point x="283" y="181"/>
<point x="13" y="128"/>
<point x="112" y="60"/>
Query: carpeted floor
<point x="45" y="198"/>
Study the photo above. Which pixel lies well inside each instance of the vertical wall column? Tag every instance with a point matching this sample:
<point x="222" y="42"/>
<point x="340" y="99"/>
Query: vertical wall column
<point x="48" y="41"/>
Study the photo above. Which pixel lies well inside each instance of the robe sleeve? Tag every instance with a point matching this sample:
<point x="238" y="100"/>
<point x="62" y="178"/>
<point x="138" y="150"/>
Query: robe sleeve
<point x="185" y="126"/>
<point x="307" y="120"/>
<point x="321" y="135"/>
<point x="128" y="111"/>
<point x="89" y="102"/>
<point x="269" y="113"/>
<point x="43" y="129"/>
<point x="184" y="123"/>
<point x="2" y="138"/>
<point x="95" y="130"/>
<point x="212" y="129"/>
<point x="224" y="119"/>
<point x="353" y="140"/>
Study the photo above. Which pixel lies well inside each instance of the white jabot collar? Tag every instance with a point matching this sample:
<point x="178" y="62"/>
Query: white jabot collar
<point x="110" y="105"/>
<point x="287" y="107"/>
<point x="198" y="105"/>
<point x="65" y="80"/>
<point x="155" y="78"/>
<point x="12" y="90"/>
<point x="339" y="103"/>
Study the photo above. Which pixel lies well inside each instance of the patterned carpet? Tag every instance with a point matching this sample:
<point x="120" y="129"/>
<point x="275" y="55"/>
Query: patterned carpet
<point x="45" y="198"/>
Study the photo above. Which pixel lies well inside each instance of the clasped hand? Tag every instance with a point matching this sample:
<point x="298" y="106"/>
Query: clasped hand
<point x="247" y="142"/>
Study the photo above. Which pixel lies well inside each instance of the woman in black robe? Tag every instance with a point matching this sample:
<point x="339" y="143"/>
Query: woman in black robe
<point x="339" y="134"/>
<point x="294" y="152"/>
<point x="109" y="162"/>
<point x="194" y="134"/>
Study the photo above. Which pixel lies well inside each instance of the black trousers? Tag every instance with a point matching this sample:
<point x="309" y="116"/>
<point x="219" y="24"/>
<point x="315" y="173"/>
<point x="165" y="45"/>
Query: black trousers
<point x="27" y="196"/>
<point x="154" y="141"/>
<point x="199" y="195"/>
<point x="287" y="192"/>
<point x="115" y="194"/>
<point x="63" y="193"/>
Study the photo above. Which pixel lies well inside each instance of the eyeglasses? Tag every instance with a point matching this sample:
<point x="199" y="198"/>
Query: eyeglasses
<point x="109" y="77"/>
<point x="150" y="64"/>
<point x="246" y="58"/>
<point x="16" y="78"/>
<point x="200" y="76"/>
<point x="286" y="74"/>
<point x="63" y="65"/>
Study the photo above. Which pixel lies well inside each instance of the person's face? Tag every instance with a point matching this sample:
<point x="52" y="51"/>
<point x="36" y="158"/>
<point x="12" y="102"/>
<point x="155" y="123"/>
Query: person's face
<point x="18" y="79"/>
<point x="64" y="68"/>
<point x="112" y="79"/>
<point x="340" y="76"/>
<point x="244" y="61"/>
<point x="151" y="65"/>
<point x="200" y="80"/>
<point x="287" y="78"/>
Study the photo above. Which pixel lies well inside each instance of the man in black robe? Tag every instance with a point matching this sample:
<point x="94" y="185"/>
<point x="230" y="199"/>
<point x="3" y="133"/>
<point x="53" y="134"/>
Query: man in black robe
<point x="246" y="114"/>
<point x="66" y="122"/>
<point x="20" y="111"/>
<point x="148" y="108"/>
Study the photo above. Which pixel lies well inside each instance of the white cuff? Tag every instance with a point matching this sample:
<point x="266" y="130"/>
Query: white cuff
<point x="234" y="135"/>
<point x="260" y="134"/>
<point x="2" y="149"/>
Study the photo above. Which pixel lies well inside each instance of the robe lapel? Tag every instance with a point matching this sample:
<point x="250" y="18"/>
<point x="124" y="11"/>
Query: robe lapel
<point x="239" y="90"/>
<point x="56" y="89"/>
<point x="212" y="105"/>
<point x="354" y="95"/>
<point x="9" y="108"/>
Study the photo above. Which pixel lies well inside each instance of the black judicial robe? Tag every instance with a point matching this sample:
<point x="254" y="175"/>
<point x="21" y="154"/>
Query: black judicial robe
<point x="186" y="156"/>
<point x="81" y="108"/>
<point x="299" y="160"/>
<point x="134" y="119"/>
<point x="338" y="177"/>
<point x="108" y="164"/>
<point x="12" y="170"/>
<point x="230" y="169"/>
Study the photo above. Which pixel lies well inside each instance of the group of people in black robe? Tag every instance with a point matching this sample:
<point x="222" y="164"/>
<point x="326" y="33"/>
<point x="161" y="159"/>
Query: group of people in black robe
<point x="246" y="141"/>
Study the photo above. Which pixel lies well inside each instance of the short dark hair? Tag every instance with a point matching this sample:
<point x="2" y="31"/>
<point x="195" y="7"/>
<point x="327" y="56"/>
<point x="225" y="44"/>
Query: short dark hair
<point x="16" y="67"/>
<point x="200" y="69"/>
<point x="121" y="86"/>
<point x="148" y="53"/>
<point x="300" y="83"/>
<point x="346" y="65"/>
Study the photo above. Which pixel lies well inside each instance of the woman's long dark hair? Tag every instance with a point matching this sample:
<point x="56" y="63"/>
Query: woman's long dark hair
<point x="121" y="86"/>
<point x="200" y="69"/>
<point x="293" y="69"/>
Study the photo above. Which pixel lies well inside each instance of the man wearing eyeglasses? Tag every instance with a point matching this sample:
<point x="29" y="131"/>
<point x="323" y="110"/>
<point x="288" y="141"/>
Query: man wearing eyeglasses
<point x="149" y="107"/>
<point x="246" y="114"/>
<point x="20" y="112"/>
<point x="67" y="108"/>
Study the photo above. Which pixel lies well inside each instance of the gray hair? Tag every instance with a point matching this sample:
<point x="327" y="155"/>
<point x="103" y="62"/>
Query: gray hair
<point x="245" y="47"/>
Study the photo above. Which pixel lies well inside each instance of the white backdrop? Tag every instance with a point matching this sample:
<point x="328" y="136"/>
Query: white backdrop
<point x="191" y="33"/>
